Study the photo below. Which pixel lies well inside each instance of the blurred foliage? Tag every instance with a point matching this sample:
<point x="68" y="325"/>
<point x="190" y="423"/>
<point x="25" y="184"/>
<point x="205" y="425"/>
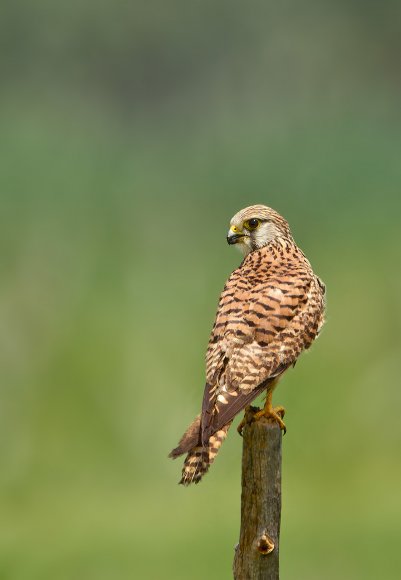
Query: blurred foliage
<point x="131" y="133"/>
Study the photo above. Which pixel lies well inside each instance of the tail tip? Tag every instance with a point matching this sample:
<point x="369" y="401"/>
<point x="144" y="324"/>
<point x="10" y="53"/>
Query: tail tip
<point x="187" y="479"/>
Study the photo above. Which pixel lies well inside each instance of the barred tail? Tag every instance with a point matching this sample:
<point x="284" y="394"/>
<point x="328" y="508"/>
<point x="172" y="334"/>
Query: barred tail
<point x="200" y="457"/>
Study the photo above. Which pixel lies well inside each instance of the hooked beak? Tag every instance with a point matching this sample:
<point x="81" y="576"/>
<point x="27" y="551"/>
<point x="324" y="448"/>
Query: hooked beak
<point x="234" y="235"/>
<point x="234" y="238"/>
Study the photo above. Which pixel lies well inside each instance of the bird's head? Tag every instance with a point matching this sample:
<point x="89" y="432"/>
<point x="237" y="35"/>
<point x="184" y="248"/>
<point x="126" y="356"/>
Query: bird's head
<point x="256" y="226"/>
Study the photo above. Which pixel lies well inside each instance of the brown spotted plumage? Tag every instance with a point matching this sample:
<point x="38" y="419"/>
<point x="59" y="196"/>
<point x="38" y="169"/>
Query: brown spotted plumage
<point x="270" y="310"/>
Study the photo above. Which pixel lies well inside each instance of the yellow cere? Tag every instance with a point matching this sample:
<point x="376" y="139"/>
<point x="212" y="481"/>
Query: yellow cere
<point x="235" y="230"/>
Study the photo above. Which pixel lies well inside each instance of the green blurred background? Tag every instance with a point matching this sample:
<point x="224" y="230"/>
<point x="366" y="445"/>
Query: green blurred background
<point x="130" y="134"/>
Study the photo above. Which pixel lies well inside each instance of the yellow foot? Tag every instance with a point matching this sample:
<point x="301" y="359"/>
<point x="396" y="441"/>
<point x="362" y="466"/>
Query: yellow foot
<point x="275" y="414"/>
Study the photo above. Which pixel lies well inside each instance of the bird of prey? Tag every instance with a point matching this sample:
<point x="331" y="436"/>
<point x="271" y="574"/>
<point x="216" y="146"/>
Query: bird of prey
<point x="271" y="309"/>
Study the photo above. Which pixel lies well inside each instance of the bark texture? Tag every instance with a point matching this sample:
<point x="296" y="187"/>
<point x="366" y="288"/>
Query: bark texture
<point x="257" y="554"/>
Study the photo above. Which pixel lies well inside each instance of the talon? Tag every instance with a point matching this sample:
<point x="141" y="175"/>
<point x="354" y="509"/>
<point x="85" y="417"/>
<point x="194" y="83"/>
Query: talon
<point x="246" y="418"/>
<point x="274" y="414"/>
<point x="280" y="411"/>
<point x="241" y="426"/>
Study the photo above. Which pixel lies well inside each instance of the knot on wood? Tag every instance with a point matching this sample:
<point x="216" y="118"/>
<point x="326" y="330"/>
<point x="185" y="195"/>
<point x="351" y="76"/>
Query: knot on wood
<point x="265" y="544"/>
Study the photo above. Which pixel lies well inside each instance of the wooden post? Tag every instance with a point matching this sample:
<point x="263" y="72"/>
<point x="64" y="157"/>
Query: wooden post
<point x="257" y="554"/>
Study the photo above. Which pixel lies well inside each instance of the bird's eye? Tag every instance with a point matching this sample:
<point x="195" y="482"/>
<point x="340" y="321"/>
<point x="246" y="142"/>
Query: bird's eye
<point x="252" y="224"/>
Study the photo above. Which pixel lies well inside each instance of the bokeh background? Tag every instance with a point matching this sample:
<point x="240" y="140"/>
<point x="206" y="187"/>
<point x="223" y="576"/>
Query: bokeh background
<point x="130" y="134"/>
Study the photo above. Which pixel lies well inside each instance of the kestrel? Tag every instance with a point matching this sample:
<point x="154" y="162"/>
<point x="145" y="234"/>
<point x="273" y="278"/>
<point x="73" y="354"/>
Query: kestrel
<point x="271" y="309"/>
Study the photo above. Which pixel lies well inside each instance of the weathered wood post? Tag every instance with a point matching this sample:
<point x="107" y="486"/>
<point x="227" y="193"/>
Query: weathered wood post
<point x="257" y="554"/>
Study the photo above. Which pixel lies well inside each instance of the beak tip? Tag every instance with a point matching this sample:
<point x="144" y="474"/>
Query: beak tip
<point x="233" y="238"/>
